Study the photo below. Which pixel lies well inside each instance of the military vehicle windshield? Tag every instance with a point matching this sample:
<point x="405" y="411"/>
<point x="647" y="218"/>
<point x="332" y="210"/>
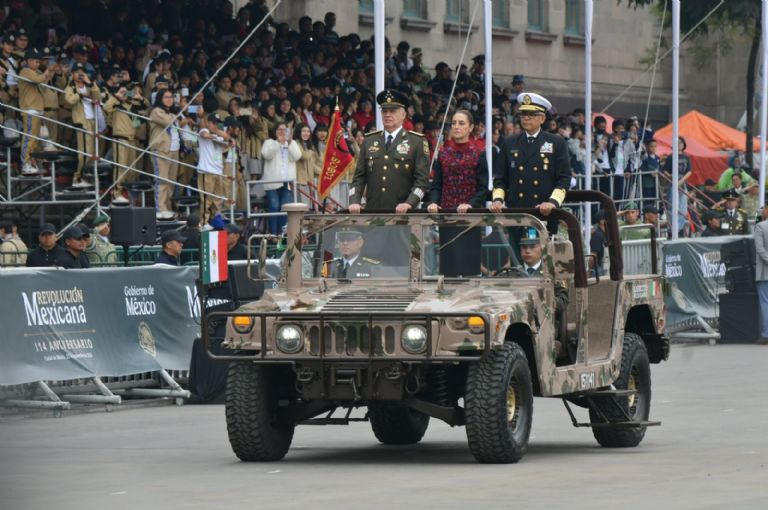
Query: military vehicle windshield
<point x="463" y="248"/>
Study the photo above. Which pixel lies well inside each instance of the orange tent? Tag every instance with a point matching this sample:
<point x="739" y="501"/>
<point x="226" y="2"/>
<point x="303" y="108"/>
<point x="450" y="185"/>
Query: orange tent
<point x="705" y="163"/>
<point x="709" y="132"/>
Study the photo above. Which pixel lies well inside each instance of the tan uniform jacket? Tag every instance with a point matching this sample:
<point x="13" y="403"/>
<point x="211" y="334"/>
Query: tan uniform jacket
<point x="121" y="122"/>
<point x="73" y="98"/>
<point x="30" y="91"/>
<point x="159" y="136"/>
<point x="308" y="167"/>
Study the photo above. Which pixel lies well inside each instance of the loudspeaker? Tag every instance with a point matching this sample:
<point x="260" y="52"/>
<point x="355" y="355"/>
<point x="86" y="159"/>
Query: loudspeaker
<point x="133" y="225"/>
<point x="739" y="260"/>
<point x="738" y="253"/>
<point x="740" y="279"/>
<point x="739" y="318"/>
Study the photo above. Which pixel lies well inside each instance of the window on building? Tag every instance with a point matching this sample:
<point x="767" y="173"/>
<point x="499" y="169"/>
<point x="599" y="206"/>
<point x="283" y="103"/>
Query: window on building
<point x="415" y="8"/>
<point x="574" y="17"/>
<point x="537" y="15"/>
<point x="457" y="11"/>
<point x="500" y="14"/>
<point x="366" y="6"/>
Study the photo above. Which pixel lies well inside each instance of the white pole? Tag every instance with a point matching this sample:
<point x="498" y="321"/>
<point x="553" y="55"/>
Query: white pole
<point x="673" y="221"/>
<point x="488" y="33"/>
<point x="378" y="49"/>
<point x="587" y="118"/>
<point x="763" y="106"/>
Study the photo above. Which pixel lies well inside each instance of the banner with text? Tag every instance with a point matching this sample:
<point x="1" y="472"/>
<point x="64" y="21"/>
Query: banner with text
<point x="695" y="275"/>
<point x="66" y="324"/>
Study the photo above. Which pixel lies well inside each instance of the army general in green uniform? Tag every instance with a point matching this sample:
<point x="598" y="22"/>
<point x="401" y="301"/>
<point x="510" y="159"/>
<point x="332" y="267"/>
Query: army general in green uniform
<point x="351" y="263"/>
<point x="392" y="169"/>
<point x="734" y="221"/>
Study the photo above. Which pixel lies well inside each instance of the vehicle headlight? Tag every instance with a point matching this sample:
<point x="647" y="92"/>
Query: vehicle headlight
<point x="289" y="339"/>
<point x="242" y="323"/>
<point x="476" y="324"/>
<point x="414" y="339"/>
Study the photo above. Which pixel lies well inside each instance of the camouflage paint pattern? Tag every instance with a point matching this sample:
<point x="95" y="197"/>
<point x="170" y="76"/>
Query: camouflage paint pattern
<point x="529" y="302"/>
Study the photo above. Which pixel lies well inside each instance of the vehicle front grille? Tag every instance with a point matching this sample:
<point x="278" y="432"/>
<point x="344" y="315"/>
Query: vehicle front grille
<point x="364" y="301"/>
<point x="353" y="339"/>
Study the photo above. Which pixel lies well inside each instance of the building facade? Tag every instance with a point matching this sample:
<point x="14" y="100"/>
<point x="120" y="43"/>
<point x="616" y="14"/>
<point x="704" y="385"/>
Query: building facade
<point x="544" y="41"/>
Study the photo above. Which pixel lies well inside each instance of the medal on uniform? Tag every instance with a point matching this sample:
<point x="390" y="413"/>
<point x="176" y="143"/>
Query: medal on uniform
<point x="403" y="148"/>
<point x="547" y="147"/>
<point x="375" y="147"/>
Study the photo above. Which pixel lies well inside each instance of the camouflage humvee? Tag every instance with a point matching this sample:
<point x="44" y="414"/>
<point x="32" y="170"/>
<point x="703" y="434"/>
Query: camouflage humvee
<point x="422" y="326"/>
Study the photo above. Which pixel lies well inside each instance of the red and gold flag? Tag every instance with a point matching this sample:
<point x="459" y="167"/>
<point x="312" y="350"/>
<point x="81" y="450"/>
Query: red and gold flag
<point x="337" y="159"/>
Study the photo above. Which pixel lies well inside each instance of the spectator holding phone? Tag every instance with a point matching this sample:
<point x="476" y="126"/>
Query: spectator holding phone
<point x="212" y="141"/>
<point x="119" y="106"/>
<point x="280" y="154"/>
<point x="80" y="94"/>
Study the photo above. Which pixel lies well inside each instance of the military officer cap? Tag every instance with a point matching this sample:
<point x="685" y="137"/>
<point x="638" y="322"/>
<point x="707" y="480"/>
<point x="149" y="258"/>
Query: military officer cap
<point x="232" y="122"/>
<point x="391" y="98"/>
<point x="348" y="234"/>
<point x="21" y="33"/>
<point x="530" y="237"/>
<point x="33" y="53"/>
<point x="8" y="39"/>
<point x="479" y="59"/>
<point x="100" y="219"/>
<point x="530" y="102"/>
<point x="518" y="78"/>
<point x="630" y="206"/>
<point x="78" y="67"/>
<point x="730" y="194"/>
<point x="711" y="214"/>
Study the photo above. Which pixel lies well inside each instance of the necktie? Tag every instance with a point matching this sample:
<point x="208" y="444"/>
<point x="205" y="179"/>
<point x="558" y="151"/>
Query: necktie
<point x="343" y="272"/>
<point x="531" y="271"/>
<point x="389" y="141"/>
<point x="531" y="139"/>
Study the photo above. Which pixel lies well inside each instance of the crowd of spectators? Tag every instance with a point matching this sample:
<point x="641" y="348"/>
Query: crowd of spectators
<point x="131" y="69"/>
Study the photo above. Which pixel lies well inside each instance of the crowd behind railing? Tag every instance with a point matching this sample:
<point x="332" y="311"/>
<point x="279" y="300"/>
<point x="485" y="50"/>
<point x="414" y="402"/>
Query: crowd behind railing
<point x="103" y="81"/>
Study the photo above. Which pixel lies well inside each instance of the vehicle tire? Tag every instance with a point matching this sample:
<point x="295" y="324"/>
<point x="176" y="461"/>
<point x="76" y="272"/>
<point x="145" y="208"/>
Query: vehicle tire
<point x="251" y="408"/>
<point x="397" y="424"/>
<point x="499" y="406"/>
<point x="635" y="373"/>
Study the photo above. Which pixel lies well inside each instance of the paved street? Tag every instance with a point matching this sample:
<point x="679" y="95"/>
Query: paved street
<point x="710" y="452"/>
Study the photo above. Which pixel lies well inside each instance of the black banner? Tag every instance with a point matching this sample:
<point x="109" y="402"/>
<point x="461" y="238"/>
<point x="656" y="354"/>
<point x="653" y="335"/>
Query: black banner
<point x="68" y="324"/>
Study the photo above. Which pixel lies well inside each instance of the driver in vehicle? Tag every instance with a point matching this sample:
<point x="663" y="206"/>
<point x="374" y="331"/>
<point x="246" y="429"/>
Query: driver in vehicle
<point x="351" y="264"/>
<point x="531" y="253"/>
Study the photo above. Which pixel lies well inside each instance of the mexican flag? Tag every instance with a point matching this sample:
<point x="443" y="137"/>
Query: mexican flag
<point x="214" y="261"/>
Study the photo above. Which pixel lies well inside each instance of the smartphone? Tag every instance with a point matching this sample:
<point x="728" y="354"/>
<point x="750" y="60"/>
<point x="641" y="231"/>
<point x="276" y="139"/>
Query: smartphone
<point x="246" y="111"/>
<point x="129" y="94"/>
<point x="289" y="133"/>
<point x="176" y="97"/>
<point x="185" y="91"/>
<point x="192" y="109"/>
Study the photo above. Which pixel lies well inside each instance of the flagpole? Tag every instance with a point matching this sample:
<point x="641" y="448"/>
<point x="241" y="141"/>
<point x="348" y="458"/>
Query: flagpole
<point x="378" y="46"/>
<point x="588" y="9"/>
<point x="675" y="116"/>
<point x="488" y="35"/>
<point x="763" y="105"/>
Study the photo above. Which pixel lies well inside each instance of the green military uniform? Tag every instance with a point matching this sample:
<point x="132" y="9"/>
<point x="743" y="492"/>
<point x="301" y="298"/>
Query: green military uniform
<point x="361" y="267"/>
<point x="100" y="251"/>
<point x="388" y="174"/>
<point x="734" y="221"/>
